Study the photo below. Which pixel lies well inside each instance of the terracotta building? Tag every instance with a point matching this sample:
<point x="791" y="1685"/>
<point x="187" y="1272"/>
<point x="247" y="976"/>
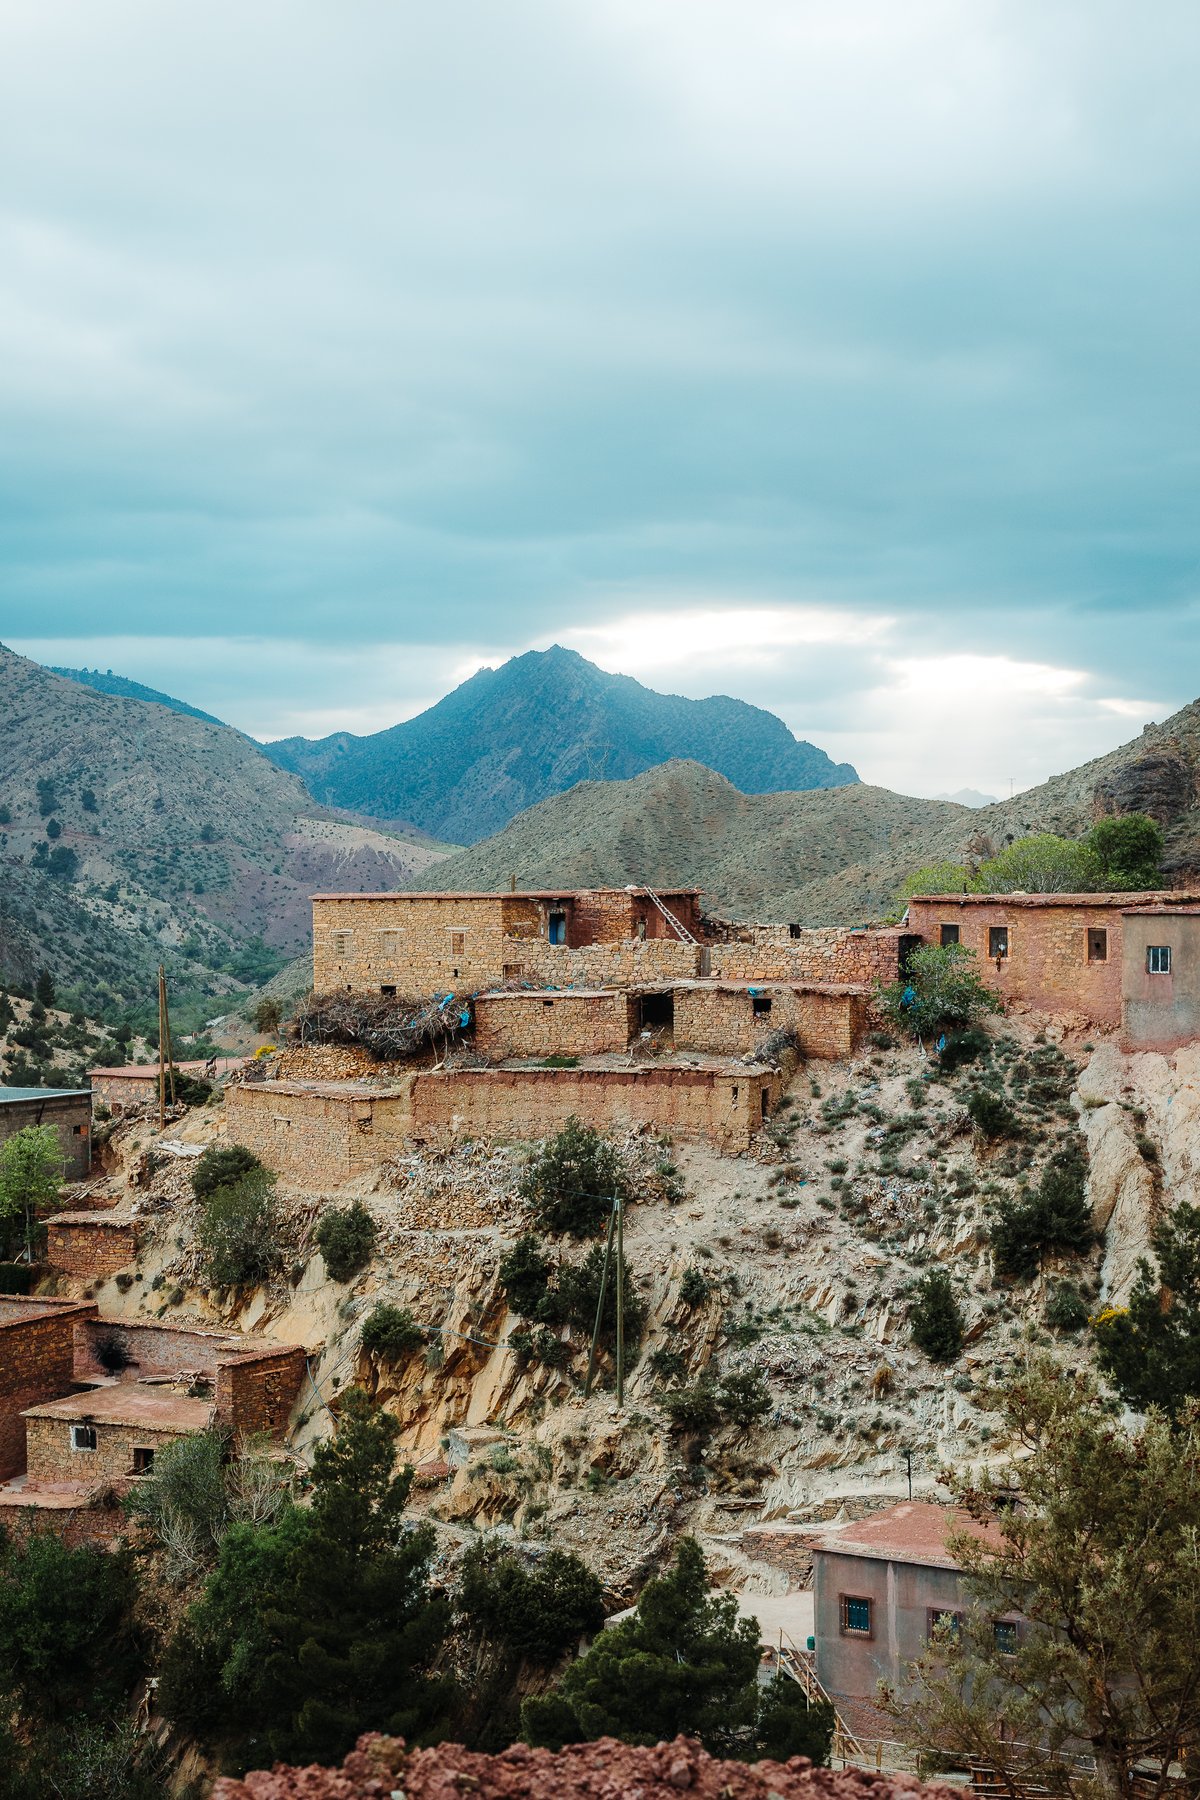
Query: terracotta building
<point x="880" y="1585"/>
<point x="69" y="1110"/>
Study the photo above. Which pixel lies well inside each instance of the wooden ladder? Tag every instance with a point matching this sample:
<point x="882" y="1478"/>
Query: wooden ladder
<point x="799" y="1665"/>
<point x="681" y="931"/>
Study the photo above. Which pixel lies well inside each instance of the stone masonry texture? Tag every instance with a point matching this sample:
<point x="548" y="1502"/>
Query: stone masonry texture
<point x="320" y="1134"/>
<point x="1047" y="965"/>
<point x="37" y="1363"/>
<point x="92" y="1245"/>
<point x="575" y="1023"/>
<point x="71" y="1116"/>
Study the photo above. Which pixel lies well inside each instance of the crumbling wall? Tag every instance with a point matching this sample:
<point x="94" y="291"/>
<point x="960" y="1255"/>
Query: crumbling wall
<point x="832" y="955"/>
<point x="321" y="1134"/>
<point x="575" y="1023"/>
<point x="725" y="1106"/>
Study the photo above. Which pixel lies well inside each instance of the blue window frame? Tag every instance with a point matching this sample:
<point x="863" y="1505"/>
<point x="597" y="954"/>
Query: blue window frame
<point x="855" y="1611"/>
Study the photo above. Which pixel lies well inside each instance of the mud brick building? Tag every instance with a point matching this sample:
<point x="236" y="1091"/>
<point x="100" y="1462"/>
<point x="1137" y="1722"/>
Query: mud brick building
<point x="426" y="943"/>
<point x="91" y="1245"/>
<point x="136" y="1084"/>
<point x="93" y="1400"/>
<point x="1160" y="976"/>
<point x="69" y="1110"/>
<point x="573" y="1022"/>
<point x="880" y="1585"/>
<point x="727" y="1017"/>
<point x="321" y="1133"/>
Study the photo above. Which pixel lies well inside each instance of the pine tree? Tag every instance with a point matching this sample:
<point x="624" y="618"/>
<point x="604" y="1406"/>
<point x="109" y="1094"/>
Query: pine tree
<point x="936" y="1321"/>
<point x="1150" y="1350"/>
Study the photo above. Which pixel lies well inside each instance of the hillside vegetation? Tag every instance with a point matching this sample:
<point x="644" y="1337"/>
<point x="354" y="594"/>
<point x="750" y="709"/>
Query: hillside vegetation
<point x="509" y="737"/>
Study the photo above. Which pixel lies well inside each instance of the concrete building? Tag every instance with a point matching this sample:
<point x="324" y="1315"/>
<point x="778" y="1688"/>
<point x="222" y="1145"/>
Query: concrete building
<point x="69" y="1110"/>
<point x="1160" y="976"/>
<point x="880" y="1585"/>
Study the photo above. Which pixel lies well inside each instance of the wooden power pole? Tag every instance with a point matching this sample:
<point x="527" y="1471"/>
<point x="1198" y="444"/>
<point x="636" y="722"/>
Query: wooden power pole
<point x="166" y="1056"/>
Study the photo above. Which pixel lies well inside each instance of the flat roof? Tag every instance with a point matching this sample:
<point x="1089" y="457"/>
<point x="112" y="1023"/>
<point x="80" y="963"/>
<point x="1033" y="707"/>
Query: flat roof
<point x="19" y="1309"/>
<point x="1164" y="897"/>
<point x="129" y="1403"/>
<point x="513" y="894"/>
<point x="10" y="1095"/>
<point x="327" y="1090"/>
<point x="913" y="1532"/>
<point x="101" y="1215"/>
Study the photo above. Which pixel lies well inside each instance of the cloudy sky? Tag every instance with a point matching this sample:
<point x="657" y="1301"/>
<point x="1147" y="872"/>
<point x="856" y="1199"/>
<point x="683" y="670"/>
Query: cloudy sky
<point x="839" y="355"/>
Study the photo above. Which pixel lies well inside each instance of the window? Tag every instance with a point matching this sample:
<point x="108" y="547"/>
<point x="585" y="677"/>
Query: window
<point x="998" y="940"/>
<point x="78" y="1130"/>
<point x="340" y="942"/>
<point x="458" y="943"/>
<point x="1097" y="945"/>
<point x="557" y="928"/>
<point x="762" y="1006"/>
<point x="143" y="1460"/>
<point x="388" y="987"/>
<point x="942" y="1620"/>
<point x="1006" y="1636"/>
<point x="389" y="945"/>
<point x="950" y="935"/>
<point x="83" y="1437"/>
<point x="1158" y="959"/>
<point x="855" y="1615"/>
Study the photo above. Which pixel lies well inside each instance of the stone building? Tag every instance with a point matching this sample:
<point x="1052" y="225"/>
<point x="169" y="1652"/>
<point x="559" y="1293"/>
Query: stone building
<point x="880" y="1585"/>
<point x="69" y="1110"/>
<point x="136" y="1084"/>
<point x="91" y="1245"/>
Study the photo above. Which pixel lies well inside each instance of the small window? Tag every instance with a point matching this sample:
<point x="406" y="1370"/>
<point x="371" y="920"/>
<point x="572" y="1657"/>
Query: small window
<point x="388" y="987"/>
<point x="1158" y="959"/>
<point x="1005" y="1631"/>
<point x="83" y="1437"/>
<point x="143" y="1460"/>
<point x="950" y="935"/>
<point x="943" y="1621"/>
<point x="855" y="1615"/>
<point x="389" y="944"/>
<point x="998" y="941"/>
<point x="340" y="942"/>
<point x="762" y="1006"/>
<point x="458" y="944"/>
<point x="1097" y="945"/>
<point x="78" y="1130"/>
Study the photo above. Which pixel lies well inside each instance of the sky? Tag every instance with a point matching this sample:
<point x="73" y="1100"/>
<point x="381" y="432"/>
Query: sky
<point x="839" y="356"/>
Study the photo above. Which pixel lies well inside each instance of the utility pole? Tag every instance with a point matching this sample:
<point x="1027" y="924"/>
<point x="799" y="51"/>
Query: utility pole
<point x="166" y="1056"/>
<point x="908" y="1460"/>
<point x="587" y="1380"/>
<point x="620" y="1301"/>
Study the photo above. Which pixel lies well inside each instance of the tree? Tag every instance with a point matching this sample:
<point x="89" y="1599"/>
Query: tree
<point x="346" y="1238"/>
<point x="220" y="1165"/>
<point x="31" y="1173"/>
<point x="571" y="1183"/>
<point x="68" y="1645"/>
<point x="267" y="1015"/>
<point x="1054" y="1217"/>
<point x="537" y="1613"/>
<point x="693" y="1409"/>
<point x="1150" y="1350"/>
<point x="87" y="800"/>
<point x="938" y="878"/>
<point x="390" y="1333"/>
<point x="44" y="988"/>
<point x="47" y="796"/>
<point x="53" y="830"/>
<point x="684" y="1662"/>
<point x="239" y="1232"/>
<point x="744" y="1397"/>
<point x="1041" y="864"/>
<point x="525" y="1274"/>
<point x="936" y="1319"/>
<point x="321" y="1625"/>
<point x="201" y="1486"/>
<point x="940" y="991"/>
<point x="1101" y="1559"/>
<point x="1129" y="851"/>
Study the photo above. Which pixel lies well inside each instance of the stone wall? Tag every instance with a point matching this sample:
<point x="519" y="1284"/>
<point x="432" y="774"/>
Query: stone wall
<point x="834" y="955"/>
<point x="658" y="961"/>
<point x="37" y="1363"/>
<point x="153" y="1348"/>
<point x="71" y="1116"/>
<point x="121" y="1091"/>
<point x="91" y="1245"/>
<point x="256" y="1392"/>
<point x="1048" y="964"/>
<point x="727" y="1020"/>
<point x="322" y="1133"/>
<point x="581" y="1022"/>
<point x="51" y="1458"/>
<point x="726" y="1106"/>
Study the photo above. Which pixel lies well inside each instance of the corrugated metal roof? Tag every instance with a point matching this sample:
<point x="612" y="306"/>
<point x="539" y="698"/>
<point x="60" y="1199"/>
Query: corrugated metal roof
<point x="10" y="1095"/>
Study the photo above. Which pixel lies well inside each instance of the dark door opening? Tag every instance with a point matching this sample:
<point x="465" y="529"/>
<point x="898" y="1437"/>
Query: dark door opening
<point x="656" y="1012"/>
<point x="908" y="943"/>
<point x="556" y="929"/>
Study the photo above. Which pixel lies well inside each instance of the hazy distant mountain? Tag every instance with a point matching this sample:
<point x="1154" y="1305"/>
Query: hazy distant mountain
<point x="105" y="682"/>
<point x="968" y="797"/>
<point x="511" y="736"/>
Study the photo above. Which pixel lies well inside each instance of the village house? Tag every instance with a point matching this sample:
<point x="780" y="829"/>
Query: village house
<point x="136" y="1084"/>
<point x="69" y="1110"/>
<point x="880" y="1586"/>
<point x="1127" y="961"/>
<point x="86" y="1403"/>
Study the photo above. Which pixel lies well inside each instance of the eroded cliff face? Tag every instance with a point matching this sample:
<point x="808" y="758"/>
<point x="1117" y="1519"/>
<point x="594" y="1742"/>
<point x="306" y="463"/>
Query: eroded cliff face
<point x="812" y="1247"/>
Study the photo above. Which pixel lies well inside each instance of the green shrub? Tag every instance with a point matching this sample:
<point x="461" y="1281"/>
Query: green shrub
<point x="525" y="1275"/>
<point x="693" y="1409"/>
<point x="1129" y="851"/>
<point x="991" y="1115"/>
<point x="539" y="1612"/>
<point x="577" y="1296"/>
<point x="941" y="990"/>
<point x="744" y="1397"/>
<point x="220" y="1166"/>
<point x="963" y="1047"/>
<point x="346" y="1239"/>
<point x="268" y="1015"/>
<point x="239" y="1231"/>
<point x="571" y="1184"/>
<point x="1041" y="864"/>
<point x="694" y="1288"/>
<point x="936" y="1321"/>
<point x="666" y="1365"/>
<point x="1066" y="1309"/>
<point x="390" y="1333"/>
<point x="1055" y="1217"/>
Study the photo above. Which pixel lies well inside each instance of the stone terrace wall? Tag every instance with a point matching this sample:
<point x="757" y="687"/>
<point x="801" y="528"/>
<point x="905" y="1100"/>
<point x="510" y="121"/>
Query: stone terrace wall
<point x="580" y="1023"/>
<point x="37" y="1363"/>
<point x="722" y="1019"/>
<point x="90" y="1246"/>
<point x="1047" y="963"/>
<point x="256" y="1392"/>
<point x="834" y="955"/>
<point x="724" y="1106"/>
<point x="320" y="1135"/>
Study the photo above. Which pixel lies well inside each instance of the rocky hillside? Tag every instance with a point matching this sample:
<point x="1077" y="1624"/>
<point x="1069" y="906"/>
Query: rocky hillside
<point x="130" y="833"/>
<point x="509" y="737"/>
<point x="105" y="682"/>
<point x="830" y="855"/>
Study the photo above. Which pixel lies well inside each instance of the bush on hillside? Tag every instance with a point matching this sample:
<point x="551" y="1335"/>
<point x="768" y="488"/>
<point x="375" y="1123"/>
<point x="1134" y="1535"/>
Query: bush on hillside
<point x="571" y="1183"/>
<point x="936" y="1321"/>
<point x="346" y="1238"/>
<point x="220" y="1166"/>
<point x="940" y="991"/>
<point x="390" y="1333"/>
<point x="1055" y="1217"/>
<point x="991" y="1115"/>
<point x="539" y="1612"/>
<point x="239" y="1232"/>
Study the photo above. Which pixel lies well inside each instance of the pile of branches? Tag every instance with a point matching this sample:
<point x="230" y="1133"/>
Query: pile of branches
<point x="390" y="1027"/>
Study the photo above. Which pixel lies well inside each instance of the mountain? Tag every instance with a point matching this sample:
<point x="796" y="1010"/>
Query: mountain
<point x="540" y="723"/>
<point x="107" y="683"/>
<point x="826" y="856"/>
<point x="131" y="834"/>
<point x="968" y="797"/>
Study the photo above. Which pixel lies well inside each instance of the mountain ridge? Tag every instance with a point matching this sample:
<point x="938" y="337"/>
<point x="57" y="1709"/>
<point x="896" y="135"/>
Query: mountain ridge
<point x="122" y="688"/>
<point x="509" y="737"/>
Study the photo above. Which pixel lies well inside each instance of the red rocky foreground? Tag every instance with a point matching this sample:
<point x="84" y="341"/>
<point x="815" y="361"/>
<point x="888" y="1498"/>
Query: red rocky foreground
<point x="382" y="1769"/>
